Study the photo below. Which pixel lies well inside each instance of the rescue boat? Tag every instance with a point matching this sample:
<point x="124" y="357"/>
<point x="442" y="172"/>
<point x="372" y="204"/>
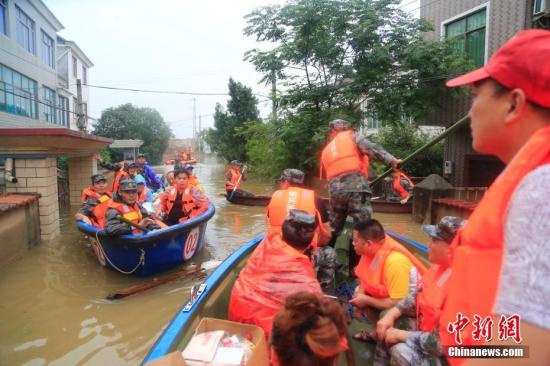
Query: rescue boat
<point x="211" y="299"/>
<point x="152" y="252"/>
<point x="182" y="162"/>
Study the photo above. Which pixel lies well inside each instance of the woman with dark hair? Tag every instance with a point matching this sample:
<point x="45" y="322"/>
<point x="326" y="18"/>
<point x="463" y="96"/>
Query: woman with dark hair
<point x="308" y="331"/>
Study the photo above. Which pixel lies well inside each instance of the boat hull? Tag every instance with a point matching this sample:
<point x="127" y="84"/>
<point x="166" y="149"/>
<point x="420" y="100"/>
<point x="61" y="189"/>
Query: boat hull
<point x="149" y="253"/>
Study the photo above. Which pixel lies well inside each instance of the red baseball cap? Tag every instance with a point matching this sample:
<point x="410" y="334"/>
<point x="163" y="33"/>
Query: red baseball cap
<point x="522" y="62"/>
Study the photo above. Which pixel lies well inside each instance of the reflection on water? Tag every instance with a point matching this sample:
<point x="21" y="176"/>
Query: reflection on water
<point x="52" y="301"/>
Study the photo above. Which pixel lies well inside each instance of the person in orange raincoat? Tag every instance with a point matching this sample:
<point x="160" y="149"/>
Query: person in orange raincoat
<point x="279" y="266"/>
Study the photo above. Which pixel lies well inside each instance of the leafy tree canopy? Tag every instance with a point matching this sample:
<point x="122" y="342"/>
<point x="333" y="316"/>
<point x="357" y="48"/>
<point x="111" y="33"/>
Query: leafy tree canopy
<point x="130" y="122"/>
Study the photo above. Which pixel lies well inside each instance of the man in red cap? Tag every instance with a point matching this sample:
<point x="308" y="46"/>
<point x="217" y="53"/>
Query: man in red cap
<point x="500" y="268"/>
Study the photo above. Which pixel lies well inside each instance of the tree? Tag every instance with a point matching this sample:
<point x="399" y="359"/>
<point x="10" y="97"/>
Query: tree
<point x="224" y="138"/>
<point x="131" y="122"/>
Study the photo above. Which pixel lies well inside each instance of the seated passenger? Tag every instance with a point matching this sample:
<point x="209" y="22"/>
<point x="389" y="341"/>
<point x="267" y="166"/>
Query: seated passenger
<point x="417" y="342"/>
<point x="94" y="202"/>
<point x="168" y="179"/>
<point x="144" y="193"/>
<point x="234" y="176"/>
<point x="193" y="180"/>
<point x="279" y="266"/>
<point x="402" y="187"/>
<point x="126" y="205"/>
<point x="309" y="331"/>
<point x="181" y="201"/>
<point x="386" y="271"/>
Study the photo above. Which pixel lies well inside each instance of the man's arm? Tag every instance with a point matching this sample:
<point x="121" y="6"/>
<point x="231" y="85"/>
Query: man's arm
<point x="373" y="151"/>
<point x="114" y="226"/>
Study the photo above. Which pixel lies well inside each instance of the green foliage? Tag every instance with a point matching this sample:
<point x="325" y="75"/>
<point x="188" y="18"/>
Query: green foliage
<point x="403" y="139"/>
<point x="131" y="122"/>
<point x="224" y="138"/>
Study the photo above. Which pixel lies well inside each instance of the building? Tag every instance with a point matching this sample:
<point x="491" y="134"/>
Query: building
<point x="36" y="109"/>
<point x="479" y="28"/>
<point x="129" y="149"/>
<point x="73" y="65"/>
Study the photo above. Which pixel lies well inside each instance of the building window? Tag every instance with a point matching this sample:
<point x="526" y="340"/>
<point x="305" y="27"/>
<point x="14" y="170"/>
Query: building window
<point x="25" y="30"/>
<point x="467" y="34"/>
<point x="63" y="111"/>
<point x="75" y="67"/>
<point x="49" y="105"/>
<point x="47" y="50"/>
<point x="84" y="75"/>
<point x="3" y="17"/>
<point x="17" y="93"/>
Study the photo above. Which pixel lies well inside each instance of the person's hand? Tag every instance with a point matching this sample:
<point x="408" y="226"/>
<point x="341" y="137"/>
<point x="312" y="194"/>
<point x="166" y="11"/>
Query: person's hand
<point x="395" y="163"/>
<point x="86" y="219"/>
<point x="382" y="326"/>
<point x="360" y="301"/>
<point x="146" y="222"/>
<point x="393" y="336"/>
<point x="404" y="201"/>
<point x="97" y="157"/>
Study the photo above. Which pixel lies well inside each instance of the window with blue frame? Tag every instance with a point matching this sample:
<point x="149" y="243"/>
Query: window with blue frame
<point x="17" y="93"/>
<point x="47" y="50"/>
<point x="63" y="111"/>
<point x="467" y="34"/>
<point x="3" y="17"/>
<point x="25" y="30"/>
<point x="49" y="105"/>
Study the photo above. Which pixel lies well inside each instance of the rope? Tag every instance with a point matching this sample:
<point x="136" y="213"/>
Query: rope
<point x="141" y="261"/>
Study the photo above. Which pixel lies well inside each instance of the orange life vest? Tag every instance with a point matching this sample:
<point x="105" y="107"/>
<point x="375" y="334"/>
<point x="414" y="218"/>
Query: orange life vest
<point x="235" y="174"/>
<point x="341" y="155"/>
<point x="132" y="213"/>
<point x="188" y="205"/>
<point x="431" y="298"/>
<point x="478" y="247"/>
<point x="100" y="213"/>
<point x="396" y="184"/>
<point x="118" y="177"/>
<point x="370" y="271"/>
<point x="89" y="192"/>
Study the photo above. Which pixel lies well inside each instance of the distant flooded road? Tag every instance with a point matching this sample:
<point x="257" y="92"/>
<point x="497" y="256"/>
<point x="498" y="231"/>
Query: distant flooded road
<point x="52" y="301"/>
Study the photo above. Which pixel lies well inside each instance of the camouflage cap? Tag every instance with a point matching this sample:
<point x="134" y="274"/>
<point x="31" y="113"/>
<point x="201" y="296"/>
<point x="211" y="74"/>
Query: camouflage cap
<point x="235" y="162"/>
<point x="98" y="178"/>
<point x="300" y="218"/>
<point x="127" y="185"/>
<point x="339" y="125"/>
<point x="446" y="229"/>
<point x="293" y="176"/>
<point x="132" y="165"/>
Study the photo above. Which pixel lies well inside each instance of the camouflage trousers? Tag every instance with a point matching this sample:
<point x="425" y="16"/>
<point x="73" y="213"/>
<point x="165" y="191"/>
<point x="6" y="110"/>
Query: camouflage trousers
<point x="355" y="204"/>
<point x="403" y="353"/>
<point x="325" y="267"/>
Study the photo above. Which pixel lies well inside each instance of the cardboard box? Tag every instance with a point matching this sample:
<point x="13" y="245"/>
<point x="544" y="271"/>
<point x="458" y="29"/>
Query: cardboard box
<point x="259" y="356"/>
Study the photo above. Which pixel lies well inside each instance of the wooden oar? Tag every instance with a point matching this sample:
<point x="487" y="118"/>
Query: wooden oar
<point x="157" y="281"/>
<point x="237" y="184"/>
<point x="457" y="125"/>
<point x="125" y="220"/>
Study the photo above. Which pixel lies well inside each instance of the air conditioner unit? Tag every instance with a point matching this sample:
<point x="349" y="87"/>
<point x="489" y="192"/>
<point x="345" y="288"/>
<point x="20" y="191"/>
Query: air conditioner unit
<point x="541" y="7"/>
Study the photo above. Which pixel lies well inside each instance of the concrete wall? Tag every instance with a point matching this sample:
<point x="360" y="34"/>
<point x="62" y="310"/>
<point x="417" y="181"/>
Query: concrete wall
<point x="20" y="60"/>
<point x="40" y="176"/>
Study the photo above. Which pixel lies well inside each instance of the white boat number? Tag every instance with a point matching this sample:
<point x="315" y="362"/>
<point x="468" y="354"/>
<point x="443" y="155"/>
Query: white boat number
<point x="191" y="243"/>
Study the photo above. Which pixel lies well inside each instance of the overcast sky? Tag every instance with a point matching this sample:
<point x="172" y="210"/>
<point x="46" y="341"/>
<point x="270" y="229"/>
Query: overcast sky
<point x="179" y="45"/>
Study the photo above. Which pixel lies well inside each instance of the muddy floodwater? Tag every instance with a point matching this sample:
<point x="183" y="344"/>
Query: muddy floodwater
<point x="53" y="309"/>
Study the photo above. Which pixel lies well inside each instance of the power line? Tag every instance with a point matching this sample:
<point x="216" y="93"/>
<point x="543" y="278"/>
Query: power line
<point x="155" y="91"/>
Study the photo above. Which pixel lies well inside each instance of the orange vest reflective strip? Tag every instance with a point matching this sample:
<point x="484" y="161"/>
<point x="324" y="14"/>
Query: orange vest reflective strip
<point x="234" y="179"/>
<point x="89" y="192"/>
<point x="478" y="247"/>
<point x="132" y="213"/>
<point x="370" y="271"/>
<point x="396" y="184"/>
<point x="187" y="201"/>
<point x="430" y="299"/>
<point x="341" y="155"/>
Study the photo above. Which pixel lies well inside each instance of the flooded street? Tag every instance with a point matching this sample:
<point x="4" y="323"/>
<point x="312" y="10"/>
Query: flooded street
<point x="52" y="301"/>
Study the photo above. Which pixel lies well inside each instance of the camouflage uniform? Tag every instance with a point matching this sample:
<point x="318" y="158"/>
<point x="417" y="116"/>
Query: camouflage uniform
<point x="350" y="193"/>
<point x="324" y="259"/>
<point x="421" y="348"/>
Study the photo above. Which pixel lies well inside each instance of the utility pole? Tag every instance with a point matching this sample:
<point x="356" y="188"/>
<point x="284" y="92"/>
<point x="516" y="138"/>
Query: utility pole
<point x="200" y="135"/>
<point x="81" y="118"/>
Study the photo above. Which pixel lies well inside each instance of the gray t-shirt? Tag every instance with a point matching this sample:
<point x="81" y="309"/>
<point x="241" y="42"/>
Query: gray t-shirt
<point x="525" y="278"/>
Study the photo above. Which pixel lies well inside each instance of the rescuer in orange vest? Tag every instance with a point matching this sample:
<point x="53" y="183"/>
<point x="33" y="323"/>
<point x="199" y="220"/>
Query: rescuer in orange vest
<point x="500" y="258"/>
<point x="278" y="267"/>
<point x="193" y="180"/>
<point x="343" y="163"/>
<point x="293" y="195"/>
<point x="182" y="201"/>
<point x="402" y="187"/>
<point x="94" y="201"/>
<point x="127" y="206"/>
<point x="234" y="176"/>
<point x="409" y="332"/>
<point x="387" y="271"/>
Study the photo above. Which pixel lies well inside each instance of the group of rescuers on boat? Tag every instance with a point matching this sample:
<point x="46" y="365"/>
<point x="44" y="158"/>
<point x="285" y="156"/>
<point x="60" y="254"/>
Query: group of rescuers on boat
<point x="485" y="276"/>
